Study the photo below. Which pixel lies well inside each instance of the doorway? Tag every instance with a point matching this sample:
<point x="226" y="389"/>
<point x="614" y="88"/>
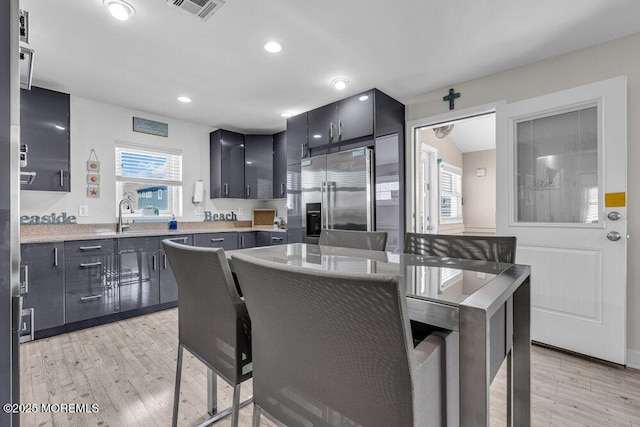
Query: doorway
<point x="453" y="184"/>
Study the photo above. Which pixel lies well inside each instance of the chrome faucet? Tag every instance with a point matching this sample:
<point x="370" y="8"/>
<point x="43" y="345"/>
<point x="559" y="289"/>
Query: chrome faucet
<point x="120" y="227"/>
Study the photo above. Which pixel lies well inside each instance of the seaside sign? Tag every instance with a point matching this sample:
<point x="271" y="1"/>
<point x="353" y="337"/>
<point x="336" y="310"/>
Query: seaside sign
<point x="220" y="217"/>
<point x="52" y="219"/>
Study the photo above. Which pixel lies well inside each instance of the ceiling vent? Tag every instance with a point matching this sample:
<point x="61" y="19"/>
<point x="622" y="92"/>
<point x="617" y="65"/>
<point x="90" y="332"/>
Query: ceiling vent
<point x="203" y="9"/>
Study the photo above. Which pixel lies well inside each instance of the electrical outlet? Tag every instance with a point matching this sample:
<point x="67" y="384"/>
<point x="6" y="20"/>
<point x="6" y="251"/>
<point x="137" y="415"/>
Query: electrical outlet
<point x="83" y="210"/>
<point x="240" y="211"/>
<point x="199" y="211"/>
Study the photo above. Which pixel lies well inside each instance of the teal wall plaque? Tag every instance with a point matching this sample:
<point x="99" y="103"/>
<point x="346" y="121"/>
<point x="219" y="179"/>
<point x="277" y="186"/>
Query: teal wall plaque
<point x="151" y="127"/>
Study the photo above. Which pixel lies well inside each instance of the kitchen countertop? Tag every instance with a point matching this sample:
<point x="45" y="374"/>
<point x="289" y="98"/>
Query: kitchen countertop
<point x="71" y="232"/>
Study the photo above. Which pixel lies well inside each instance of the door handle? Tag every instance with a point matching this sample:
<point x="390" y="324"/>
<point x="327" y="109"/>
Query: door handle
<point x="248" y="190"/>
<point x="154" y="261"/>
<point x="90" y="248"/>
<point x="331" y="132"/>
<point x="613" y="216"/>
<point x="61" y="177"/>
<point x="55" y="257"/>
<point x="242" y="242"/>
<point x="219" y="239"/>
<point x="164" y="261"/>
<point x="339" y="129"/>
<point x="282" y="189"/>
<point x="226" y="189"/>
<point x="614" y="236"/>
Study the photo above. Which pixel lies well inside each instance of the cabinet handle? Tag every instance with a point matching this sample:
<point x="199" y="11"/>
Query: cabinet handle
<point x="24" y="285"/>
<point x="248" y="190"/>
<point x="302" y="151"/>
<point x="90" y="248"/>
<point x="331" y="132"/>
<point x="92" y="297"/>
<point x="219" y="239"/>
<point x="61" y="177"/>
<point x="242" y="242"/>
<point x="164" y="261"/>
<point x="226" y="189"/>
<point x="278" y="239"/>
<point x="282" y="189"/>
<point x="91" y="264"/>
<point x="339" y="129"/>
<point x="154" y="260"/>
<point x="55" y="257"/>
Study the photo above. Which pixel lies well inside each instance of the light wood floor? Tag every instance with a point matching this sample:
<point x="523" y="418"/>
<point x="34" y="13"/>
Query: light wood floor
<point x="128" y="369"/>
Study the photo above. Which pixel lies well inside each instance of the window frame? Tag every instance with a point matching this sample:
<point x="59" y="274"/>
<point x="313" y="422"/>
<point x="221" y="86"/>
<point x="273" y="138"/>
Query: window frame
<point x="451" y="170"/>
<point x="172" y="179"/>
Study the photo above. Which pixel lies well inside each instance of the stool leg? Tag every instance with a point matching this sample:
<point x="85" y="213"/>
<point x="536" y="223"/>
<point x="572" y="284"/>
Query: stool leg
<point x="176" y="395"/>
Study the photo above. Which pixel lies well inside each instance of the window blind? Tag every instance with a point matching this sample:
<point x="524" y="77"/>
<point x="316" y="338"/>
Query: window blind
<point x="450" y="193"/>
<point x="142" y="164"/>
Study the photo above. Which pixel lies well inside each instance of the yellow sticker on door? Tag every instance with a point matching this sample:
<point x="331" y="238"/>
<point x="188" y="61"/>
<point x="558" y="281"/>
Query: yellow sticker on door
<point x="615" y="200"/>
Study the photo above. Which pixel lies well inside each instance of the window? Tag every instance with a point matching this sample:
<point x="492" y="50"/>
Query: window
<point x="450" y="194"/>
<point x="151" y="178"/>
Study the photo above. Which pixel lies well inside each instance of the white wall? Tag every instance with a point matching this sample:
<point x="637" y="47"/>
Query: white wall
<point x="98" y="125"/>
<point x="479" y="193"/>
<point x="619" y="57"/>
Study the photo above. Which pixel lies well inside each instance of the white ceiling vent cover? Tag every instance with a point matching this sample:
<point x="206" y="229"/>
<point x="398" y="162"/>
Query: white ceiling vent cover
<point x="203" y="9"/>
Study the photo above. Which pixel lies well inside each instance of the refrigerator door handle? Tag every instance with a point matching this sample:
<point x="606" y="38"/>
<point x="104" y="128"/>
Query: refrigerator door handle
<point x="331" y="193"/>
<point x="323" y="204"/>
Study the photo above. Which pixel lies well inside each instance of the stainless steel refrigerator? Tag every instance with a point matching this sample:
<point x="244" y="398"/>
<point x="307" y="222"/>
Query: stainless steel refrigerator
<point x="337" y="193"/>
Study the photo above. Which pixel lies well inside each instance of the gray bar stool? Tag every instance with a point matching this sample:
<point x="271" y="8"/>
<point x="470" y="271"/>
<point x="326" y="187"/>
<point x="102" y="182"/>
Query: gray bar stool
<point x="214" y="324"/>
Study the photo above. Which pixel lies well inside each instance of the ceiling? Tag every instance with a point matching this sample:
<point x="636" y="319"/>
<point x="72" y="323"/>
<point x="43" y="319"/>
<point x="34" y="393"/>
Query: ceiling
<point x="404" y="48"/>
<point x="475" y="134"/>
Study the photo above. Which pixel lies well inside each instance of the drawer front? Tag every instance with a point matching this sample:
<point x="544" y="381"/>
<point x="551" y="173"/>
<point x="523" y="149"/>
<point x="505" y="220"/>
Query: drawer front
<point x="82" y="305"/>
<point x="227" y="241"/>
<point x="89" y="247"/>
<point x="278" y="238"/>
<point x="91" y="272"/>
<point x="138" y="244"/>
<point x="184" y="239"/>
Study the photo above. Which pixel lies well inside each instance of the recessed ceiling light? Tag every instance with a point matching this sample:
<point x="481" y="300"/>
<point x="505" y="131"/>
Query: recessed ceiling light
<point x="184" y="99"/>
<point x="120" y="9"/>
<point x="286" y="114"/>
<point x="364" y="97"/>
<point x="317" y="136"/>
<point x="60" y="127"/>
<point x="340" y="83"/>
<point x="273" y="47"/>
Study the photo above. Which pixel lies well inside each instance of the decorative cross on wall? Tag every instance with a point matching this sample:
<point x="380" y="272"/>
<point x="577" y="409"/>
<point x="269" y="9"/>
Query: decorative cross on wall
<point x="451" y="98"/>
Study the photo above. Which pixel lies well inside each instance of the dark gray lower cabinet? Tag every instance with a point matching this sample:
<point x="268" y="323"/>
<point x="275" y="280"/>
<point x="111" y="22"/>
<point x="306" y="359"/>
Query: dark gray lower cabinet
<point x="168" y="284"/>
<point x="91" y="279"/>
<point x="246" y="239"/>
<point x="139" y="272"/>
<point x="43" y="292"/>
<point x="228" y="241"/>
<point x="271" y="238"/>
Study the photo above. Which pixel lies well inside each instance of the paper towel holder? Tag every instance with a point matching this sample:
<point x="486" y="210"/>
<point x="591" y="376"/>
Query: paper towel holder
<point x="198" y="192"/>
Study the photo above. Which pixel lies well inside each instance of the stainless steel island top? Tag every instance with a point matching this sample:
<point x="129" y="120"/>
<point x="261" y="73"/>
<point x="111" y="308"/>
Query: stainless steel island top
<point x="487" y="303"/>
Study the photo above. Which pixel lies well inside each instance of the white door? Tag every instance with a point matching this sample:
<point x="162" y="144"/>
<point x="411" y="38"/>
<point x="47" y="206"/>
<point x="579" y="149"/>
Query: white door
<point x="561" y="188"/>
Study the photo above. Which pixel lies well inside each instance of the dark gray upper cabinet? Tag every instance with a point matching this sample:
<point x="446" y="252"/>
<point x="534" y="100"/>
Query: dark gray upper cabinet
<point x="227" y="157"/>
<point x="280" y="165"/>
<point x="44" y="291"/>
<point x="44" y="128"/>
<point x="258" y="168"/>
<point x="323" y="125"/>
<point x="296" y="137"/>
<point x="347" y="119"/>
<point x="355" y="116"/>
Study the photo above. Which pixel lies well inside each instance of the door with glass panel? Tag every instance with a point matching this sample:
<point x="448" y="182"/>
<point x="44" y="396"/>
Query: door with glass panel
<point x="561" y="190"/>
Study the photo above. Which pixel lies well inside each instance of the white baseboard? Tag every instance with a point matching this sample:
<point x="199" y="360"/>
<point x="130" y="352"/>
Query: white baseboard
<point x="633" y="359"/>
